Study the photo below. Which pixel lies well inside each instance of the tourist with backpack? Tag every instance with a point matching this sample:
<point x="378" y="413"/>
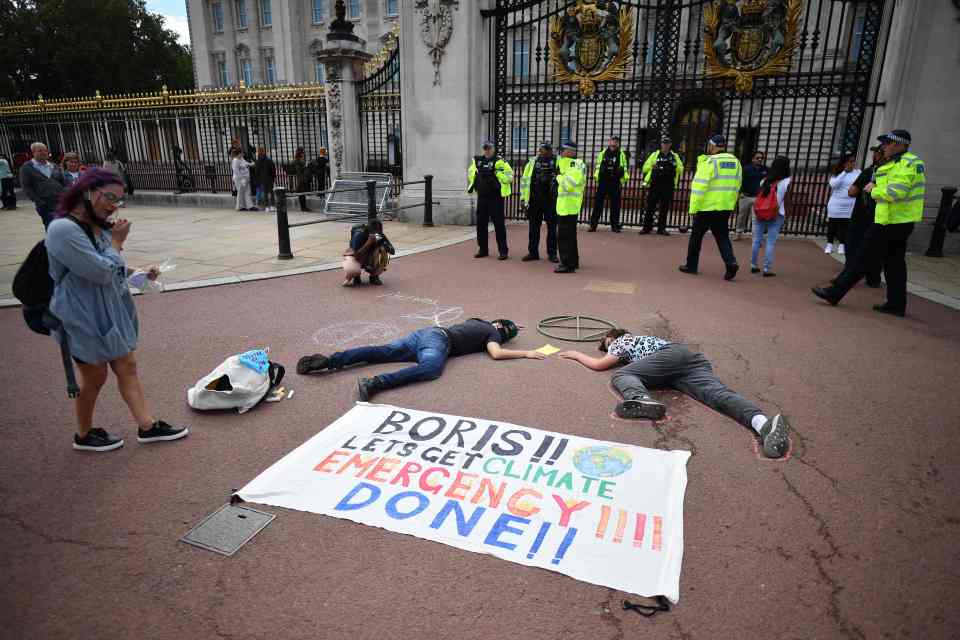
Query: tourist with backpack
<point x="92" y="301"/>
<point x="769" y="214"/>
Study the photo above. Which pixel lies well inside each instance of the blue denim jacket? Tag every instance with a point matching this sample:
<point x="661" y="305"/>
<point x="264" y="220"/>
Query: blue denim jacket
<point x="90" y="296"/>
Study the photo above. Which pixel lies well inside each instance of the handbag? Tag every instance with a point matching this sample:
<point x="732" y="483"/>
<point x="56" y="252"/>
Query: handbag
<point x="240" y="382"/>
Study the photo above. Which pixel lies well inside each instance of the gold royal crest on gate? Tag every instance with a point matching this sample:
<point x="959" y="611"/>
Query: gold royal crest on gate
<point x="591" y="41"/>
<point x="748" y="38"/>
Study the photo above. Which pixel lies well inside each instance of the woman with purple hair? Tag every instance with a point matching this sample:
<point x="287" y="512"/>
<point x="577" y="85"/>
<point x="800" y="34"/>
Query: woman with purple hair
<point x="92" y="300"/>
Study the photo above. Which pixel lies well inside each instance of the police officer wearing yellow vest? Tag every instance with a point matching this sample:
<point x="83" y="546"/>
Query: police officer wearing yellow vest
<point x="571" y="181"/>
<point x="898" y="187"/>
<point x="491" y="178"/>
<point x="538" y="193"/>
<point x="610" y="173"/>
<point x="713" y="197"/>
<point x="661" y="175"/>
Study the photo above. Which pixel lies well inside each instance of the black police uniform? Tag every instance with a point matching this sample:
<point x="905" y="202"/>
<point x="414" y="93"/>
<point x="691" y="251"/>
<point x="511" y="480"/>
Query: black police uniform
<point x="660" y="193"/>
<point x="608" y="186"/>
<point x="489" y="204"/>
<point x="543" y="205"/>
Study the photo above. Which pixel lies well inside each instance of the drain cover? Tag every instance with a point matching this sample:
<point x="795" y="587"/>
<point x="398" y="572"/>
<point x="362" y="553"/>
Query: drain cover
<point x="227" y="529"/>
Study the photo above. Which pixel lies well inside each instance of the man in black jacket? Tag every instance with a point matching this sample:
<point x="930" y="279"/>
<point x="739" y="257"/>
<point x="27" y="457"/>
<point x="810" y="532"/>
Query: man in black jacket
<point x="42" y="181"/>
<point x="263" y="175"/>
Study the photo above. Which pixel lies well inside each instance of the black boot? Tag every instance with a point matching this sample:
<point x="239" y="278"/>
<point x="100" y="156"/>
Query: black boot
<point x="317" y="363"/>
<point x="366" y="388"/>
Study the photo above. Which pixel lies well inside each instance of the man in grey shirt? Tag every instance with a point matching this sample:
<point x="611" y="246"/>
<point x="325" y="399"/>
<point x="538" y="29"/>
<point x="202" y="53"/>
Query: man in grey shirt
<point x="42" y="181"/>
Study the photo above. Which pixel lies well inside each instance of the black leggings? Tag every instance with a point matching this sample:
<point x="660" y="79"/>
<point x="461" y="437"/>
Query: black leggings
<point x="837" y="229"/>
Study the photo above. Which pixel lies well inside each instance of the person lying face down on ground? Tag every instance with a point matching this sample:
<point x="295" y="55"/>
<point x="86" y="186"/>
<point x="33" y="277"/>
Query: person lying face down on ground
<point x="369" y="251"/>
<point x="429" y="348"/>
<point x="649" y="361"/>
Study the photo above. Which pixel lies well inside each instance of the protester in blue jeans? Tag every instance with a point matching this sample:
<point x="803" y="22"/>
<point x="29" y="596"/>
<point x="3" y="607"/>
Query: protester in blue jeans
<point x="654" y="362"/>
<point x="777" y="178"/>
<point x="429" y="348"/>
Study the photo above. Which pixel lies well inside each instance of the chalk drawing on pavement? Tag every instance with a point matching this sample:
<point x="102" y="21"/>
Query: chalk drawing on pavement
<point x="429" y="310"/>
<point x="356" y="332"/>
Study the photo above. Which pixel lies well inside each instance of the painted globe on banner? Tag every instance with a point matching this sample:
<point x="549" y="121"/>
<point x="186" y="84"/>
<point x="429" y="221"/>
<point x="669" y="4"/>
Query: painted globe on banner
<point x="602" y="461"/>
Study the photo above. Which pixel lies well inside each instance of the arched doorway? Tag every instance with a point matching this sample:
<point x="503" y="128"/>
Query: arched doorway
<point x="694" y="125"/>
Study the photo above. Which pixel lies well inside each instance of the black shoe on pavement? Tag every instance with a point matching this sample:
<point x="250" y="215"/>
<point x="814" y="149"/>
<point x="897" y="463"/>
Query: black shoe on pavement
<point x="616" y="229"/>
<point x="553" y="259"/>
<point x="731" y="271"/>
<point x="317" y="363"/>
<point x="376" y="280"/>
<point x="885" y="308"/>
<point x="529" y="258"/>
<point x="366" y="388"/>
<point x="663" y="232"/>
<point x="564" y="269"/>
<point x="775" y="436"/>
<point x="643" y="407"/>
<point x="97" y="440"/>
<point x="502" y="256"/>
<point x="769" y="274"/>
<point x="306" y="210"/>
<point x="161" y="432"/>
<point x="592" y="229"/>
<point x="874" y="285"/>
<point x="754" y="270"/>
<point x="823" y="294"/>
<point x="685" y="269"/>
<point x="481" y="254"/>
<point x="644" y="232"/>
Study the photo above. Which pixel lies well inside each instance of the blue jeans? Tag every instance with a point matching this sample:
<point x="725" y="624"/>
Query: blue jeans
<point x="772" y="229"/>
<point x="429" y="348"/>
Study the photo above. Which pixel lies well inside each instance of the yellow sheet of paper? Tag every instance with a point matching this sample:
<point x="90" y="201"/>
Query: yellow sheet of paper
<point x="548" y="349"/>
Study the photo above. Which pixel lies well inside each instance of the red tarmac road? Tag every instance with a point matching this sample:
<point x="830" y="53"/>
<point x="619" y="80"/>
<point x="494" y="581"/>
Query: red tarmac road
<point x="853" y="537"/>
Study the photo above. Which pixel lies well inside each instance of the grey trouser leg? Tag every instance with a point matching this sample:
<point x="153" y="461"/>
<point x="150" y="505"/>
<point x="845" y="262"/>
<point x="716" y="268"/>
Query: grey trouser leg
<point x="701" y="383"/>
<point x="659" y="369"/>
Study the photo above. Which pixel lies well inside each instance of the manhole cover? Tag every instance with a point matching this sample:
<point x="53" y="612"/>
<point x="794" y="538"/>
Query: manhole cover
<point x="574" y="328"/>
<point x="227" y="529"/>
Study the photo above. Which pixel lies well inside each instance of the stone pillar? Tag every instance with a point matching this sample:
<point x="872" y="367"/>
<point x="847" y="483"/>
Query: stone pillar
<point x="444" y="62"/>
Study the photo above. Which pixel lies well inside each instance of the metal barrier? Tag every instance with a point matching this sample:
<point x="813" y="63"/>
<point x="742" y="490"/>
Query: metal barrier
<point x="935" y="250"/>
<point x="283" y="222"/>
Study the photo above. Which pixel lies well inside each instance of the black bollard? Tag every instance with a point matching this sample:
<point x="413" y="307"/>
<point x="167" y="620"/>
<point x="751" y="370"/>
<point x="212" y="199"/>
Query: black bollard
<point x="283" y="225"/>
<point x="371" y="200"/>
<point x="428" y="201"/>
<point x="935" y="250"/>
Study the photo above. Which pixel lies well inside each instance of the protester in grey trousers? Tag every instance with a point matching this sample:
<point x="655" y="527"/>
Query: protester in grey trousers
<point x="655" y="362"/>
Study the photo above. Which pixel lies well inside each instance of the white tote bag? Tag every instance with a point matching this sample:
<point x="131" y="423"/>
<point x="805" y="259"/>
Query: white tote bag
<point x="241" y="382"/>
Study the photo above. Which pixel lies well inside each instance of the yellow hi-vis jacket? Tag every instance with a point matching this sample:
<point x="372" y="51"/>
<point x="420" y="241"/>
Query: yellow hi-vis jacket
<point x="501" y="170"/>
<point x="716" y="183"/>
<point x="570" y="185"/>
<point x="527" y="177"/>
<point x="900" y="186"/>
<point x="625" y="171"/>
<point x="652" y="160"/>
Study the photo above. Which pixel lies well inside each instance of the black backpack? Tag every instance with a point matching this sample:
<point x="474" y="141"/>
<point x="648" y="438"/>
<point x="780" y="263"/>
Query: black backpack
<point x="33" y="285"/>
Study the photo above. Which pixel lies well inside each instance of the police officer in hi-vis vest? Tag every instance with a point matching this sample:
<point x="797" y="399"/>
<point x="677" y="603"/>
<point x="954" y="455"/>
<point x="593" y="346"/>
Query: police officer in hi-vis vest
<point x="713" y="197"/>
<point x="661" y="175"/>
<point x="610" y="173"/>
<point x="538" y="193"/>
<point x="491" y="178"/>
<point x="898" y="188"/>
<point x="571" y="182"/>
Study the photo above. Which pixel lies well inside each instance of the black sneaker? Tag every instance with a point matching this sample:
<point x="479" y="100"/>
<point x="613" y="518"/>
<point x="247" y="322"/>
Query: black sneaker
<point x="644" y="232"/>
<point x="97" y="440"/>
<point x="616" y="229"/>
<point x="885" y="308"/>
<point x="366" y="388"/>
<point x="644" y="407"/>
<point x="685" y="269"/>
<point x="317" y="363"/>
<point x="824" y="294"/>
<point x="775" y="436"/>
<point x="480" y="254"/>
<point x="731" y="272"/>
<point x="769" y="274"/>
<point x="529" y="258"/>
<point x="502" y="256"/>
<point x="754" y="270"/>
<point x="663" y="232"/>
<point x="160" y="432"/>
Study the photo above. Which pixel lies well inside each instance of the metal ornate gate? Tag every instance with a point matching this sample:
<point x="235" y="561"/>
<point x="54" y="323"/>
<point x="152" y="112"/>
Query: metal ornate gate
<point x="379" y="103"/>
<point x="785" y="77"/>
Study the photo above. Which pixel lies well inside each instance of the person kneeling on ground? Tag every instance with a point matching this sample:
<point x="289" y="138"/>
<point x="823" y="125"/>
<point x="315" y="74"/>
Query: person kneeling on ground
<point x="369" y="251"/>
<point x="93" y="302"/>
<point x="654" y="362"/>
<point x="429" y="348"/>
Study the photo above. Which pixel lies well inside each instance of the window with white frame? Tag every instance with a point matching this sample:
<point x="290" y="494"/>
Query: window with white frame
<point x="246" y="71"/>
<point x="353" y="9"/>
<point x="266" y="13"/>
<point x="240" y="9"/>
<point x="393" y="7"/>
<point x="269" y="68"/>
<point x="216" y="15"/>
<point x="318" y="11"/>
<point x="519" y="139"/>
<point x="319" y="72"/>
<point x="521" y="56"/>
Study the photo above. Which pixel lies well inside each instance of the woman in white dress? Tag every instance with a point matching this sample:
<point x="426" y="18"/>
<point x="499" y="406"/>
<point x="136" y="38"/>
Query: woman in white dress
<point x="241" y="181"/>
<point x="840" y="205"/>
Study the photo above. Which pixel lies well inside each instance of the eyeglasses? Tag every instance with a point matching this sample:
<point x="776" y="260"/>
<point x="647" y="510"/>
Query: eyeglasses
<point x="112" y="198"/>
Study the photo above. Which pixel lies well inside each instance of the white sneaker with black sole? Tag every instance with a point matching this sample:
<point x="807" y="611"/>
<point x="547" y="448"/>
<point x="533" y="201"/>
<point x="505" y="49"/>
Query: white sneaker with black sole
<point x="97" y="440"/>
<point x="161" y="432"/>
<point x="774" y="434"/>
<point x="643" y="407"/>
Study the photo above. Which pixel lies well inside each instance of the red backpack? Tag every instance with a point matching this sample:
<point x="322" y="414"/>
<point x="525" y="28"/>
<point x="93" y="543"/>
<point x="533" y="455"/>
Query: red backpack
<point x="766" y="207"/>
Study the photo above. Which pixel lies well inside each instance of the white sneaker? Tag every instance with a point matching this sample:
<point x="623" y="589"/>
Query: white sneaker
<point x="828" y="248"/>
<point x="840" y="250"/>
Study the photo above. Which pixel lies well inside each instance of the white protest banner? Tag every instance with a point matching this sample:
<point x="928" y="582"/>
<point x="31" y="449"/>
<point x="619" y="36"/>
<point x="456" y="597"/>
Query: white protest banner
<point x="602" y="512"/>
